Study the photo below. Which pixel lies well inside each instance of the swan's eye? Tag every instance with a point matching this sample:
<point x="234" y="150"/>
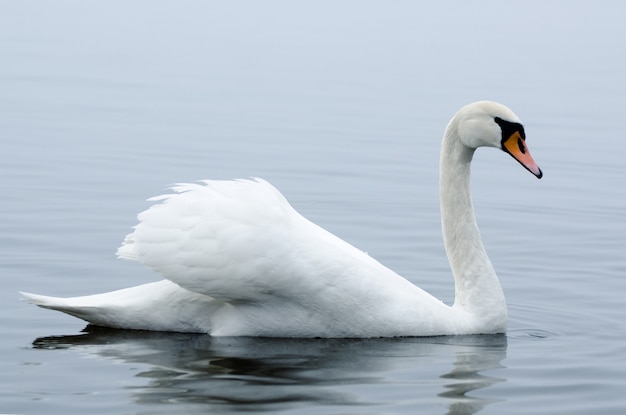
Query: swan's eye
<point x="512" y="129"/>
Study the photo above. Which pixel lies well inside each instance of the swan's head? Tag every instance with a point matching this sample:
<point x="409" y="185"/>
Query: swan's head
<point x="489" y="124"/>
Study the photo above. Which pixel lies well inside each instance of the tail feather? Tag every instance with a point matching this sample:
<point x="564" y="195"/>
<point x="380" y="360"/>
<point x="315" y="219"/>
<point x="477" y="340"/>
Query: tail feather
<point x="71" y="306"/>
<point x="159" y="306"/>
<point x="54" y="303"/>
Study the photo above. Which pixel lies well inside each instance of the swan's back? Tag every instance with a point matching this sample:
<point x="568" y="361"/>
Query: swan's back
<point x="240" y="242"/>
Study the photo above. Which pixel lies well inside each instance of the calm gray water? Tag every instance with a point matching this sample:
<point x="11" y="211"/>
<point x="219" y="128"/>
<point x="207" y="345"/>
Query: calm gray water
<point x="341" y="105"/>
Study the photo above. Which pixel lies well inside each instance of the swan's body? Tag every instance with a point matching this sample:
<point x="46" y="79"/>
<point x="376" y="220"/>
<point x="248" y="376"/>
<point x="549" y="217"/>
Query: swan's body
<point x="238" y="260"/>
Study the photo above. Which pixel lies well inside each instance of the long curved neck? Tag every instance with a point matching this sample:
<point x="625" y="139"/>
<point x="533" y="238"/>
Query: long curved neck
<point x="477" y="289"/>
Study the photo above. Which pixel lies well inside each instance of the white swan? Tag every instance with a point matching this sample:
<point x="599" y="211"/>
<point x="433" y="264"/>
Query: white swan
<point x="240" y="261"/>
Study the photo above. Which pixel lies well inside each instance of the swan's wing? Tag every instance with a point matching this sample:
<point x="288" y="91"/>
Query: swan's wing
<point x="240" y="241"/>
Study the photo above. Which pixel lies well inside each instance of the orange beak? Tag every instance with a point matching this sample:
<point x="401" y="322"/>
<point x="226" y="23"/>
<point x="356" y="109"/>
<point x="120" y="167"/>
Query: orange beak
<point x="515" y="145"/>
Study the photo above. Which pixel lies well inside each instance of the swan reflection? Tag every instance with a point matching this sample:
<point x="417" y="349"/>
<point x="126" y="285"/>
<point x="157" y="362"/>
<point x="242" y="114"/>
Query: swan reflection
<point x="200" y="373"/>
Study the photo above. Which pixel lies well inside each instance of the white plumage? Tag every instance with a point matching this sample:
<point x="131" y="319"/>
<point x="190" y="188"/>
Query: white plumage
<point x="238" y="260"/>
